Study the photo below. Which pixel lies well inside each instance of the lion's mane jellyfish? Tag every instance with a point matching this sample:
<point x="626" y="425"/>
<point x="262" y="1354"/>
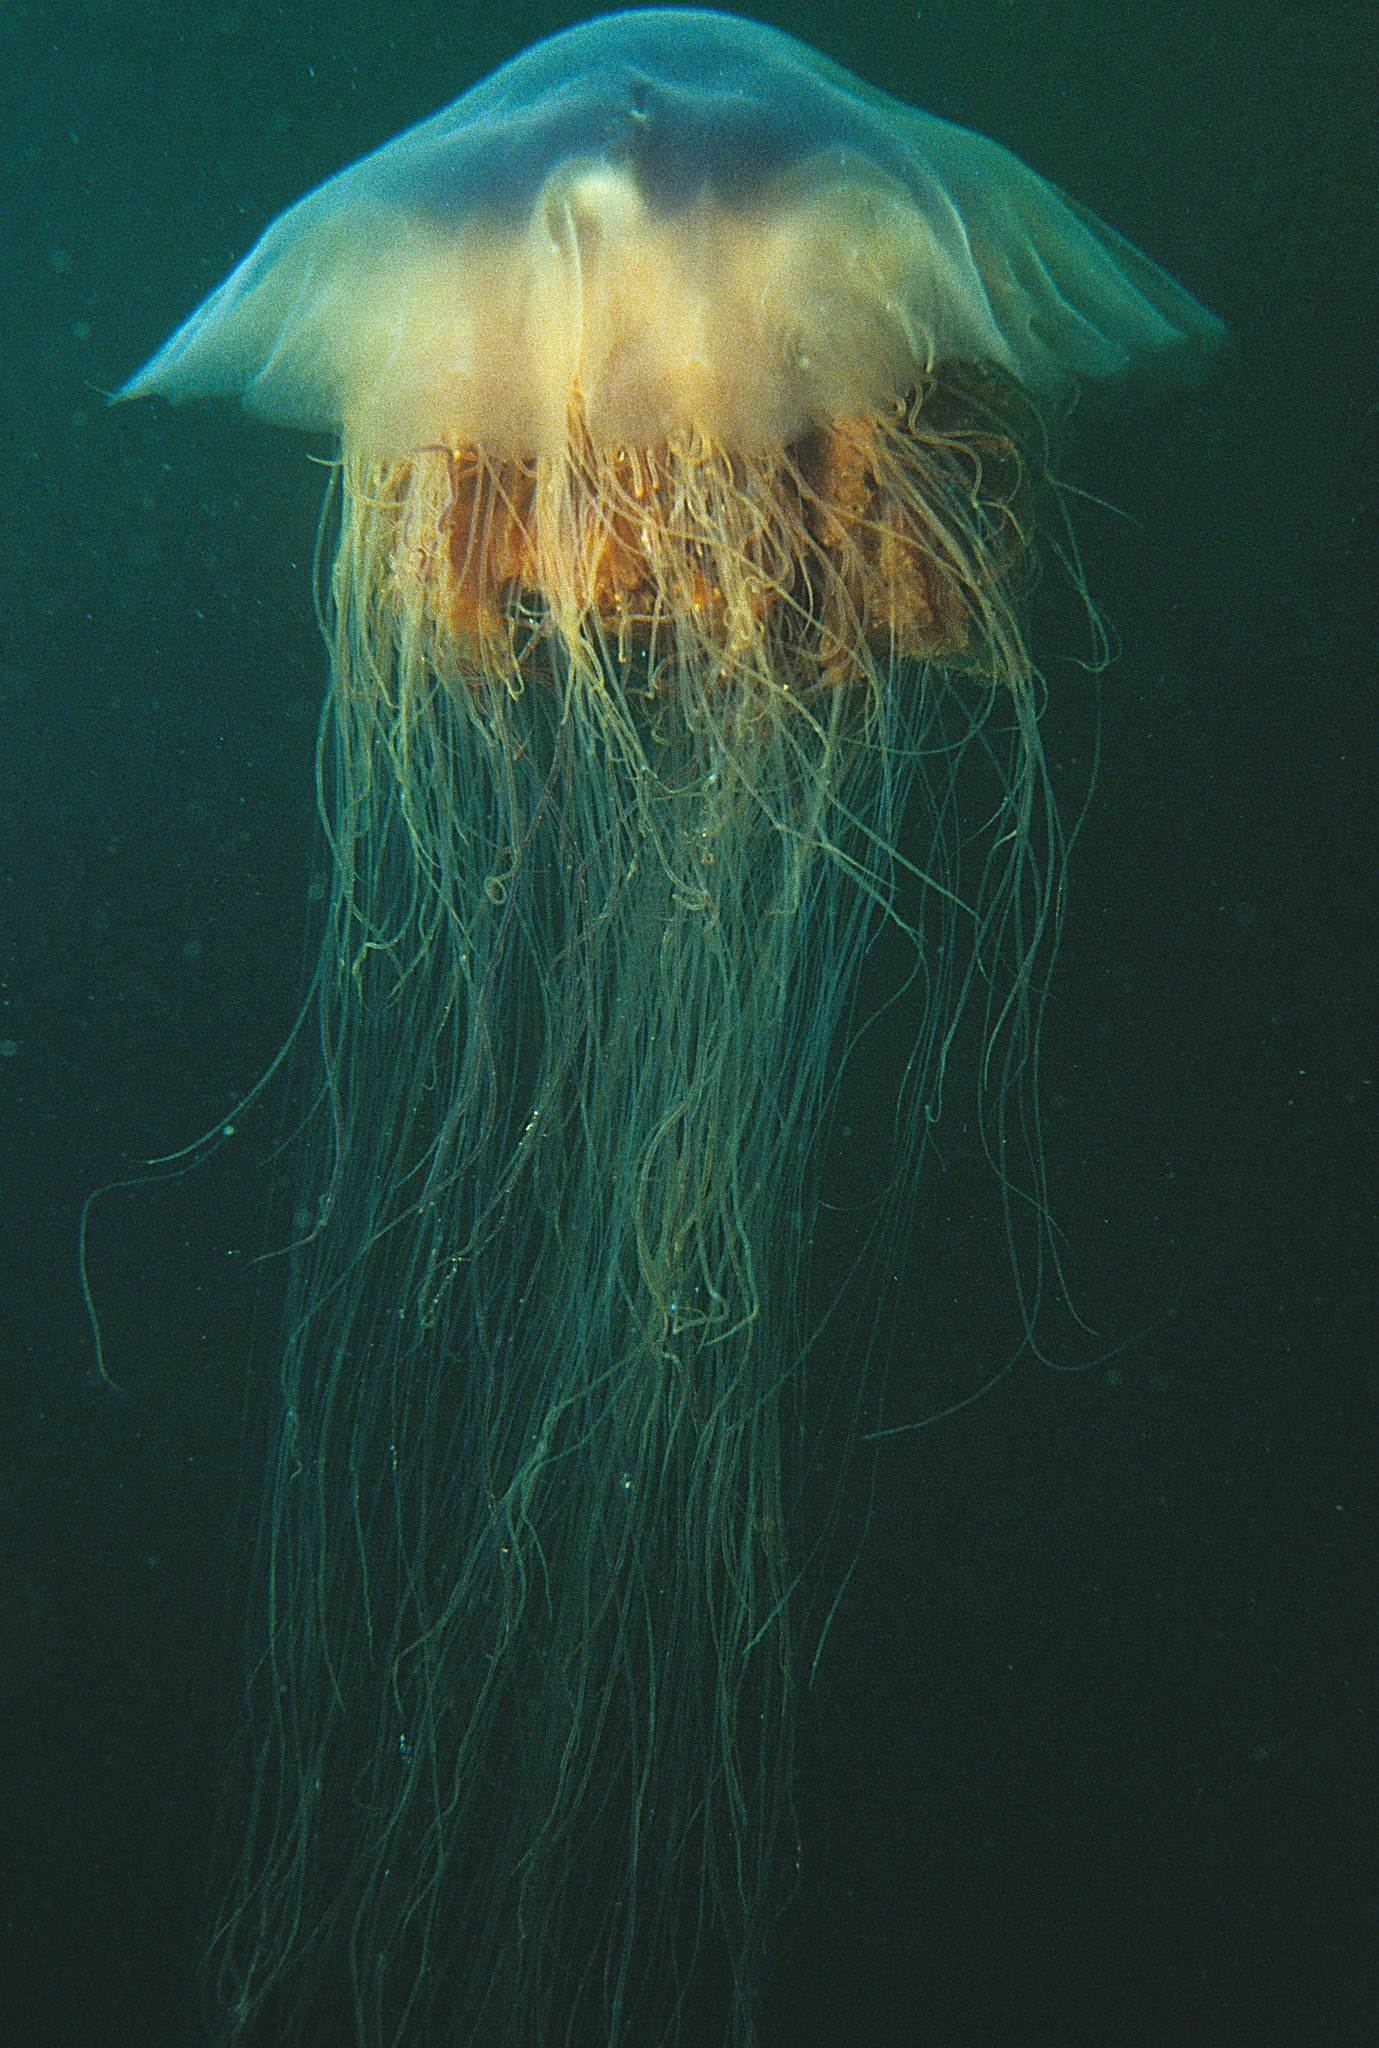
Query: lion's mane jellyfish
<point x="691" y="405"/>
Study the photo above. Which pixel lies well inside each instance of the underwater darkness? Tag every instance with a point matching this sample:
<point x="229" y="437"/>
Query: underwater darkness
<point x="1090" y="1758"/>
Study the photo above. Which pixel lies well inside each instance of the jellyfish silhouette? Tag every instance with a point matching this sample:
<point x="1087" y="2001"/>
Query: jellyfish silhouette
<point x="690" y="399"/>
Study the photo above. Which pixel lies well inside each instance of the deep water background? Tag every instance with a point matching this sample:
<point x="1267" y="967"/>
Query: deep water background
<point x="1090" y="1761"/>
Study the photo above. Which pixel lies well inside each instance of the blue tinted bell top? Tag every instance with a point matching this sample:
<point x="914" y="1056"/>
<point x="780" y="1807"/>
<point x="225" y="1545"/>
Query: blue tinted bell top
<point x="683" y="99"/>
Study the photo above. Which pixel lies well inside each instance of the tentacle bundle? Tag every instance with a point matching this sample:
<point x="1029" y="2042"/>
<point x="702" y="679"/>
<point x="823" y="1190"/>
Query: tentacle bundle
<point x="615" y="776"/>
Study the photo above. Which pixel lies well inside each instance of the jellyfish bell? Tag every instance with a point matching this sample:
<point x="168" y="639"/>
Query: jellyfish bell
<point x="688" y="396"/>
<point x="667" y="231"/>
<point x="691" y="220"/>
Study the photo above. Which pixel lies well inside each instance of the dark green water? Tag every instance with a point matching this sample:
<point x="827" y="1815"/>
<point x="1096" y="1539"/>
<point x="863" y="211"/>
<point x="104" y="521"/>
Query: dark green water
<point x="1090" y="1760"/>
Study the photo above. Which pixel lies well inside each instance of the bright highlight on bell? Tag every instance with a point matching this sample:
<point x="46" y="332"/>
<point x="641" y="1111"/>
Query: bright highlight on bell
<point x="691" y="405"/>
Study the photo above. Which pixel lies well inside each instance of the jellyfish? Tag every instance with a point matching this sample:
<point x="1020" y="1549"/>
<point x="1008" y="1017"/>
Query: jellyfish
<point x="692" y="405"/>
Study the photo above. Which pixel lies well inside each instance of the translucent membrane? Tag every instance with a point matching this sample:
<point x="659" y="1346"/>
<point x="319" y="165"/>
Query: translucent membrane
<point x="694" y="221"/>
<point x="690" y="465"/>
